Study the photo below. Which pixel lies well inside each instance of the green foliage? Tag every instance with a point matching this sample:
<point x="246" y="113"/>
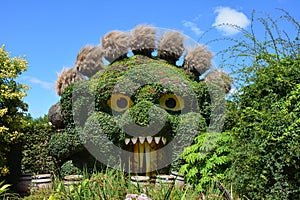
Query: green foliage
<point x="98" y="124"/>
<point x="271" y="83"/>
<point x="64" y="144"/>
<point x="36" y="158"/>
<point x="75" y="99"/>
<point x="66" y="106"/>
<point x="204" y="99"/>
<point x="12" y="109"/>
<point x="145" y="113"/>
<point x="266" y="130"/>
<point x="104" y="82"/>
<point x="186" y="127"/>
<point x="3" y="188"/>
<point x="68" y="168"/>
<point x="5" y="192"/>
<point x="207" y="160"/>
<point x="267" y="161"/>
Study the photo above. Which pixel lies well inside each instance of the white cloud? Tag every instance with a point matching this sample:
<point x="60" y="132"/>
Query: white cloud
<point x="43" y="84"/>
<point x="193" y="26"/>
<point x="233" y="91"/>
<point x="227" y="18"/>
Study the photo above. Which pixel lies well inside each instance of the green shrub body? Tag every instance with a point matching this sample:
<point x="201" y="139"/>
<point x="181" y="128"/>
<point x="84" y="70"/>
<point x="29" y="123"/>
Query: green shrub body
<point x="144" y="80"/>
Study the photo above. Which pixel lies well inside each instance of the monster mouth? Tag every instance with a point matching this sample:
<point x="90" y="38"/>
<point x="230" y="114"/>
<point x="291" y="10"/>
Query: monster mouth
<point x="145" y="158"/>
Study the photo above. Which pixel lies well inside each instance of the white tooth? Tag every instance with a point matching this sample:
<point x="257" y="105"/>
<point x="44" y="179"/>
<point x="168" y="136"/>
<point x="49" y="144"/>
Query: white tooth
<point x="127" y="140"/>
<point x="156" y="139"/>
<point x="142" y="140"/>
<point x="164" y="140"/>
<point x="134" y="139"/>
<point x="149" y="139"/>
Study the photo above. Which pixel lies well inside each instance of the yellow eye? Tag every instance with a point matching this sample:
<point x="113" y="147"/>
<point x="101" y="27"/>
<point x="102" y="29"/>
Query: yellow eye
<point x="172" y="102"/>
<point x="119" y="102"/>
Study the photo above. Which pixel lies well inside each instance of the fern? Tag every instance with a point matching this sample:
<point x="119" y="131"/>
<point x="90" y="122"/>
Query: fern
<point x="207" y="160"/>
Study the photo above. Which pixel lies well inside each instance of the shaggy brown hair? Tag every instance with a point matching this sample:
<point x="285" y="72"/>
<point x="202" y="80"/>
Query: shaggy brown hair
<point x="142" y="40"/>
<point x="82" y="54"/>
<point x="89" y="60"/>
<point x="115" y="45"/>
<point x="65" y="78"/>
<point x="170" y="46"/>
<point x="219" y="78"/>
<point x="197" y="60"/>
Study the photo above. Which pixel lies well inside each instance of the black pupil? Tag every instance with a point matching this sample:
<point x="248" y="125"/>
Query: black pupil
<point x="122" y="103"/>
<point x="170" y="103"/>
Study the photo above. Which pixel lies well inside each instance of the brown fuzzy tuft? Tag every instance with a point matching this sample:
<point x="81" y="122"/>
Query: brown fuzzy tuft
<point x="82" y="55"/>
<point x="65" y="78"/>
<point x="89" y="60"/>
<point x="219" y="78"/>
<point x="197" y="60"/>
<point x="115" y="45"/>
<point x="170" y="46"/>
<point x="142" y="40"/>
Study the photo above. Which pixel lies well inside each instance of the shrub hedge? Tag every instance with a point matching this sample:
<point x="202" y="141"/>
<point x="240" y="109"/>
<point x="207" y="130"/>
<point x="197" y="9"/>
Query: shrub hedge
<point x="36" y="157"/>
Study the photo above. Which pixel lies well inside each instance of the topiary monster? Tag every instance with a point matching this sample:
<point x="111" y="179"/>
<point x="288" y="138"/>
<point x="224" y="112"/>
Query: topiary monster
<point x="137" y="100"/>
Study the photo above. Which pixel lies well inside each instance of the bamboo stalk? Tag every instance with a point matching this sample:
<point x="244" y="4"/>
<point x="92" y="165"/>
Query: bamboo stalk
<point x="153" y="157"/>
<point x="148" y="158"/>
<point x="136" y="157"/>
<point x="141" y="154"/>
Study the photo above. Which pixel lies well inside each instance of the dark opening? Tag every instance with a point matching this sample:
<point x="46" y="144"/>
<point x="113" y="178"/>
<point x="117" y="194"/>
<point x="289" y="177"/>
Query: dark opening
<point x="171" y="103"/>
<point x="122" y="103"/>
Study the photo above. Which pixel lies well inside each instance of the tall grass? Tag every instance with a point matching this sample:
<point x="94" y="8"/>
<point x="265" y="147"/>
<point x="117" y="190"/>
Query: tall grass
<point x="5" y="193"/>
<point x="115" y="185"/>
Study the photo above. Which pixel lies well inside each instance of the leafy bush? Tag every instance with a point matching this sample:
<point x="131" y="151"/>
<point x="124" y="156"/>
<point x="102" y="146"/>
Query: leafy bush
<point x="36" y="158"/>
<point x="266" y="130"/>
<point x="68" y="168"/>
<point x="267" y="160"/>
<point x="62" y="145"/>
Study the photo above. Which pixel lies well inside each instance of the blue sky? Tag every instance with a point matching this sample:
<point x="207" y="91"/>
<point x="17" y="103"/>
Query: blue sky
<point x="50" y="33"/>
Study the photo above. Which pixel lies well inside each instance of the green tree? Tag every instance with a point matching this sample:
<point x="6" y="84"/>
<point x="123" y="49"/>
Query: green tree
<point x="266" y="131"/>
<point x="12" y="109"/>
<point x="268" y="134"/>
